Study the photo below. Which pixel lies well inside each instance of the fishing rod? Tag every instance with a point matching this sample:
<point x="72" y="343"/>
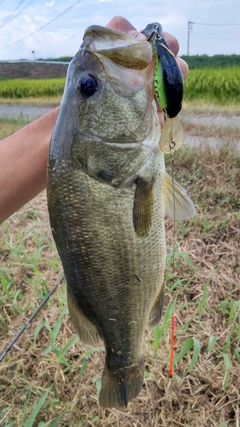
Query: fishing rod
<point x="14" y="340"/>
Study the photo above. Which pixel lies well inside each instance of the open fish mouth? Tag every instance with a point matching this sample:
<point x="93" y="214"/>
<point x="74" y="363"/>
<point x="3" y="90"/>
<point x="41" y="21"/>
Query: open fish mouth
<point x="121" y="48"/>
<point x="127" y="61"/>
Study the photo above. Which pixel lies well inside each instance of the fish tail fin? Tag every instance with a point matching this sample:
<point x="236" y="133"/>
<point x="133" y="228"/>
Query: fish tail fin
<point x="121" y="386"/>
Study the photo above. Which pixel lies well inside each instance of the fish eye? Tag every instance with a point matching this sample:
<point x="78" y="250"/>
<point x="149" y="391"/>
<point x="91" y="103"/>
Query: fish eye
<point x="88" y="85"/>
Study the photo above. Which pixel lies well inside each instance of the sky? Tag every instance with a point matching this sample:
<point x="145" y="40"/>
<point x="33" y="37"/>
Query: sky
<point x="214" y="28"/>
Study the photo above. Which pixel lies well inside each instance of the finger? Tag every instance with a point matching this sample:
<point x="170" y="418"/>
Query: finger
<point x="137" y="35"/>
<point x="120" y="24"/>
<point x="172" y="42"/>
<point x="183" y="67"/>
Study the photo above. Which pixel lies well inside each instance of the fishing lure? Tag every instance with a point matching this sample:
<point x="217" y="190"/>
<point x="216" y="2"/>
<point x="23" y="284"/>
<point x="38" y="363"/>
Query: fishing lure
<point x="168" y="84"/>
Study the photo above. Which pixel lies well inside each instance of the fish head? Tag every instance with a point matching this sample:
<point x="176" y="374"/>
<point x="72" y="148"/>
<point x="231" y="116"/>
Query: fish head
<point x="107" y="102"/>
<point x="112" y="76"/>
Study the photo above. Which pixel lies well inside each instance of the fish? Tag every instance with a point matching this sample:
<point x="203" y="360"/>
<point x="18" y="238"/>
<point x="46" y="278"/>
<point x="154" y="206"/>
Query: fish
<point x="168" y="83"/>
<point x="106" y="200"/>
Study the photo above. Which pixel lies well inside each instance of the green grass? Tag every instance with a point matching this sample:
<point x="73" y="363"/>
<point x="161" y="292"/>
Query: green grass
<point x="51" y="379"/>
<point x="218" y="86"/>
<point x="209" y="85"/>
<point x="9" y="126"/>
<point x="21" y="88"/>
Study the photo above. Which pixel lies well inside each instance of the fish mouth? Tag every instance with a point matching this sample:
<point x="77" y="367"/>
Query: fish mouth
<point x="121" y="48"/>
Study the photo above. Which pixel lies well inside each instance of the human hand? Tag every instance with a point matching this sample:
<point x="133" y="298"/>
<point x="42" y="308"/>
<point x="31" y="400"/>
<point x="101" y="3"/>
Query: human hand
<point x="121" y="24"/>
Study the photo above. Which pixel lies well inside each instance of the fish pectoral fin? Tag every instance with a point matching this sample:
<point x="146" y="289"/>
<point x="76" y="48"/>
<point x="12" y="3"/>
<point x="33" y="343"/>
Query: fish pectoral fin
<point x="176" y="199"/>
<point x="156" y="311"/>
<point x="143" y="207"/>
<point x="119" y="386"/>
<point x="172" y="132"/>
<point x="85" y="329"/>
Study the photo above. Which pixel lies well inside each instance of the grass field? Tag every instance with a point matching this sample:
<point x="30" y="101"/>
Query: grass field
<point x="49" y="378"/>
<point x="21" y="88"/>
<point x="218" y="86"/>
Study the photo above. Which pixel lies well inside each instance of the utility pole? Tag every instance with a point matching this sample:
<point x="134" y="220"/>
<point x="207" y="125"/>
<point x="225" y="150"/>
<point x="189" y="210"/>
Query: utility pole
<point x="190" y="27"/>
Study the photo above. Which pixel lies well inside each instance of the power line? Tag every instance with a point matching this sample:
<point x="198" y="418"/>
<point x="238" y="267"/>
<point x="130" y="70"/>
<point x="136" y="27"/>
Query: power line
<point x="215" y="25"/>
<point x="190" y="29"/>
<point x="9" y="19"/>
<point x="212" y="36"/>
<point x="41" y="28"/>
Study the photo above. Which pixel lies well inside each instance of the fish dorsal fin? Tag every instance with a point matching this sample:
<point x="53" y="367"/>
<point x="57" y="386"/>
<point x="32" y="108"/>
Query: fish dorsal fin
<point x="184" y="207"/>
<point x="85" y="329"/>
<point x="172" y="131"/>
<point x="143" y="207"/>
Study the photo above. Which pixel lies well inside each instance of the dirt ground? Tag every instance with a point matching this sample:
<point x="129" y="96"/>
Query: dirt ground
<point x="31" y="70"/>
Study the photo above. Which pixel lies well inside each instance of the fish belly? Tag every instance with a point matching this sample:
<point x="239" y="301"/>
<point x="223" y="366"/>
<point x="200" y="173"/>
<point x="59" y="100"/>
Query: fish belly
<point x="114" y="276"/>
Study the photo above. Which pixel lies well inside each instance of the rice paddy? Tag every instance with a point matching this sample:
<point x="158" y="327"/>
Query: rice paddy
<point x="219" y="86"/>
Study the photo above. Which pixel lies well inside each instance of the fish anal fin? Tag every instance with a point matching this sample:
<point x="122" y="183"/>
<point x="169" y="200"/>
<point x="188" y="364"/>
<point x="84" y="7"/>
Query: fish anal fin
<point x="84" y="328"/>
<point x="121" y="385"/>
<point x="157" y="309"/>
<point x="143" y="207"/>
<point x="180" y="203"/>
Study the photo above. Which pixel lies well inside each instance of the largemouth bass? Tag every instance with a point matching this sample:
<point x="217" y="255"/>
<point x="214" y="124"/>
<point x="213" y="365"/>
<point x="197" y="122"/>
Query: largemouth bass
<point x="107" y="194"/>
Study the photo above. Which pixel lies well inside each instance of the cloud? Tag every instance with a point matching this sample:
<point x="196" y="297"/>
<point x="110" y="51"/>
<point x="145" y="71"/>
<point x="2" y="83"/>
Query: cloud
<point x="64" y="35"/>
<point x="27" y="18"/>
<point x="40" y="19"/>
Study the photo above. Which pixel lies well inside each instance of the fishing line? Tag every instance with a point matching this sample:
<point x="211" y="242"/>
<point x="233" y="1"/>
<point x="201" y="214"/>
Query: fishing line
<point x="14" y="340"/>
<point x="172" y="149"/>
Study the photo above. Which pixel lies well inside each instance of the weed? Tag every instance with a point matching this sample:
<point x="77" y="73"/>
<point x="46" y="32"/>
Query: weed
<point x="188" y="345"/>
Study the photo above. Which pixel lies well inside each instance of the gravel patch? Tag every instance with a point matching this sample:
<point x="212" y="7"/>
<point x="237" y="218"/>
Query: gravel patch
<point x="23" y="111"/>
<point x="34" y="111"/>
<point x="31" y="112"/>
<point x="219" y="120"/>
<point x="197" y="141"/>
